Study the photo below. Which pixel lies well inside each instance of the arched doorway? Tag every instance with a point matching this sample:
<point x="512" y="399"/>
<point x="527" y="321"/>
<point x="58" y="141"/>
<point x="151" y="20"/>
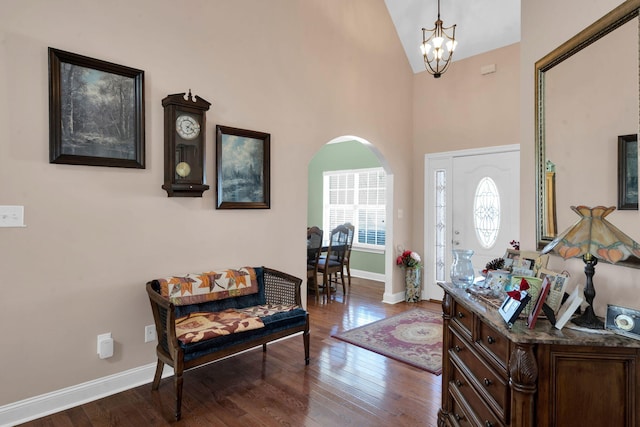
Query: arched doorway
<point x="352" y="152"/>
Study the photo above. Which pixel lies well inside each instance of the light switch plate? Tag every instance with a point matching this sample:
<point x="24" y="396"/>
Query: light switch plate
<point x="12" y="216"/>
<point x="149" y="333"/>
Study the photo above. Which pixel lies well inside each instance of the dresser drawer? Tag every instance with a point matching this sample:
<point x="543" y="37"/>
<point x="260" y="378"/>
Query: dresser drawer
<point x="459" y="347"/>
<point x="491" y="385"/>
<point x="462" y="317"/>
<point x="461" y="388"/>
<point x="458" y="416"/>
<point x="494" y="344"/>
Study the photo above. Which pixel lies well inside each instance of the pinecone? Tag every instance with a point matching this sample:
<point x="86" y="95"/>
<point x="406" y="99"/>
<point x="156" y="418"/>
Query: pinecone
<point x="495" y="264"/>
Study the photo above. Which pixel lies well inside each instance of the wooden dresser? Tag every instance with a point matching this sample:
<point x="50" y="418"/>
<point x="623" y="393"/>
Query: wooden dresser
<point x="496" y="376"/>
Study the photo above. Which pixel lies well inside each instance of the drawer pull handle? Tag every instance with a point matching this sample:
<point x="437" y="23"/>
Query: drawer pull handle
<point x="491" y="339"/>
<point x="460" y="315"/>
<point x="458" y="417"/>
<point x="457" y="349"/>
<point x="487" y="382"/>
<point x="459" y="383"/>
<point x="488" y="424"/>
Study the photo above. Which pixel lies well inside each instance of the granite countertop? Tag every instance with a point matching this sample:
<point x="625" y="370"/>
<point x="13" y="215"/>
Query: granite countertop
<point x="543" y="333"/>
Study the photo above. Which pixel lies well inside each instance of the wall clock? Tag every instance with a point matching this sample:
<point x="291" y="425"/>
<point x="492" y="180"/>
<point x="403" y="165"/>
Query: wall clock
<point x="184" y="145"/>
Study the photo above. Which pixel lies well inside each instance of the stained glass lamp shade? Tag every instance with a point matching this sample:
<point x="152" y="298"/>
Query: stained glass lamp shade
<point x="593" y="237"/>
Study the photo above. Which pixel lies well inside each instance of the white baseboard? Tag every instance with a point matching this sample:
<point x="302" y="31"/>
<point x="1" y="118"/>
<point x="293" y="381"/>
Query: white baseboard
<point x="393" y="298"/>
<point x="378" y="277"/>
<point x="59" y="400"/>
<point x="386" y="298"/>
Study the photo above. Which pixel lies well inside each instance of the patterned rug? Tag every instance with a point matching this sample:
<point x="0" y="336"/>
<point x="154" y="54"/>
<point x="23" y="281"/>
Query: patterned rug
<point x="413" y="337"/>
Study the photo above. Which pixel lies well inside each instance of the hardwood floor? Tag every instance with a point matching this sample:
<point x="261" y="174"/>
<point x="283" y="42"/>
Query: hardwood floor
<point x="344" y="385"/>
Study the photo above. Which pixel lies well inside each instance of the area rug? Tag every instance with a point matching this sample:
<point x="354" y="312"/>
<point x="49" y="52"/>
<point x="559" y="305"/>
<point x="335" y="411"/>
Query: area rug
<point x="413" y="337"/>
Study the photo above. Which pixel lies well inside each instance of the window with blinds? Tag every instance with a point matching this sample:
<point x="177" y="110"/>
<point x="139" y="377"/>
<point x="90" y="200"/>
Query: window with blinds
<point x="358" y="197"/>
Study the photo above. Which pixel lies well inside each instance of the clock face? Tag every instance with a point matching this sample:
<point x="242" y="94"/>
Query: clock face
<point x="187" y="127"/>
<point x="183" y="169"/>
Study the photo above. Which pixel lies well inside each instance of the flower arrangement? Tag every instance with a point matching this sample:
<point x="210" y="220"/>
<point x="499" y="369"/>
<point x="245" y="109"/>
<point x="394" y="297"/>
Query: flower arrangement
<point x="409" y="259"/>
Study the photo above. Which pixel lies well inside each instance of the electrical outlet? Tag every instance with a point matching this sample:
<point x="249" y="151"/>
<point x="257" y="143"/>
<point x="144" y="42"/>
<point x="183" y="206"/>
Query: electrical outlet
<point x="105" y="345"/>
<point x="149" y="333"/>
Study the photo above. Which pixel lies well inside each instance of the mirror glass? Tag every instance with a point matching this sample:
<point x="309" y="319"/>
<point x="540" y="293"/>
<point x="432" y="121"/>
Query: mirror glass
<point x="587" y="95"/>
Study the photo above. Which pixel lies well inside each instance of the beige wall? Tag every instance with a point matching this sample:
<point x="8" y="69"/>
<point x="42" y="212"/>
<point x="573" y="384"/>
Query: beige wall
<point x="463" y="109"/>
<point x="585" y="112"/>
<point x="614" y="284"/>
<point x="304" y="71"/>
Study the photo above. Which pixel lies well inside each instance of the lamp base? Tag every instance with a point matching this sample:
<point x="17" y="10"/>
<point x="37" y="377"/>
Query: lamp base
<point x="588" y="319"/>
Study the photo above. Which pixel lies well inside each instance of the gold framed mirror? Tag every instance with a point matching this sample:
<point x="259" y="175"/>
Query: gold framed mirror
<point x="586" y="94"/>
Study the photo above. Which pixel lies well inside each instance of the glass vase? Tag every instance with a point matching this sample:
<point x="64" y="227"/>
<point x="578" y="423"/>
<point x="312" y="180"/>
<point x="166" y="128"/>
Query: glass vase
<point x="462" y="273"/>
<point x="412" y="284"/>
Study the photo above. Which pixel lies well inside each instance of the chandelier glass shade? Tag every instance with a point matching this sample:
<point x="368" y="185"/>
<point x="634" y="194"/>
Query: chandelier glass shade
<point x="438" y="45"/>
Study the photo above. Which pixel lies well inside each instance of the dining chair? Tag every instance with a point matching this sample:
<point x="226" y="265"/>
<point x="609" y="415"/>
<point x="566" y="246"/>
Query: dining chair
<point x="332" y="263"/>
<point x="314" y="249"/>
<point x="346" y="261"/>
<point x="347" y="258"/>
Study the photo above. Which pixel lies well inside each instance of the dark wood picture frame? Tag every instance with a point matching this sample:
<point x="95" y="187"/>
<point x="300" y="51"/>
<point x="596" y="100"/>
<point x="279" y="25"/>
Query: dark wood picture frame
<point x="628" y="172"/>
<point x="96" y="112"/>
<point x="242" y="169"/>
<point x="511" y="308"/>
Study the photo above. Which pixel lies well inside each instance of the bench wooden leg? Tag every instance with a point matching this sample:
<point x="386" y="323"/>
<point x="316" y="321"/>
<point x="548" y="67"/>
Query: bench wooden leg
<point x="158" y="375"/>
<point x="264" y="348"/>
<point x="178" y="390"/>
<point x="305" y="337"/>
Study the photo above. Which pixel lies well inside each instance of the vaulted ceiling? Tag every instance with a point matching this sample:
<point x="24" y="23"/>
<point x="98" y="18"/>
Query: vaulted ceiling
<point x="482" y="25"/>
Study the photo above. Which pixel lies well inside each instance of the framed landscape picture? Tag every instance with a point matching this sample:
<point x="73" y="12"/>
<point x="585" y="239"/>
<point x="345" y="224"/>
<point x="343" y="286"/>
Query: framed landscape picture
<point x="96" y="112"/>
<point x="243" y="168"/>
<point x="628" y="172"/>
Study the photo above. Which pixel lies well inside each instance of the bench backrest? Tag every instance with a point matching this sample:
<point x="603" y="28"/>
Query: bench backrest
<point x="213" y="291"/>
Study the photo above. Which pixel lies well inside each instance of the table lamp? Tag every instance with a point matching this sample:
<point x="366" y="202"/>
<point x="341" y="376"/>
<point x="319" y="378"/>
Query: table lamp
<point x="593" y="237"/>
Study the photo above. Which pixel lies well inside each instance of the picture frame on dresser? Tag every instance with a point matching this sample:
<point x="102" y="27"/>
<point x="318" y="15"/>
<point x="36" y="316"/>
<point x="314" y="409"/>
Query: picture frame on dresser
<point x="568" y="308"/>
<point x="96" y="112"/>
<point x="529" y="260"/>
<point x="559" y="283"/>
<point x="540" y="301"/>
<point x="511" y="308"/>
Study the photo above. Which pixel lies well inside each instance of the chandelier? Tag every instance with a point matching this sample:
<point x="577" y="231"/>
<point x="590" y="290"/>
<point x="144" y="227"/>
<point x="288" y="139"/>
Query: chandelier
<point x="434" y="41"/>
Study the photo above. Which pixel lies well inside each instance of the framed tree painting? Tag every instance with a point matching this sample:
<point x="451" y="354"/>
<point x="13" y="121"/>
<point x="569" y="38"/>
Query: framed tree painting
<point x="628" y="172"/>
<point x="243" y="168"/>
<point x="96" y="112"/>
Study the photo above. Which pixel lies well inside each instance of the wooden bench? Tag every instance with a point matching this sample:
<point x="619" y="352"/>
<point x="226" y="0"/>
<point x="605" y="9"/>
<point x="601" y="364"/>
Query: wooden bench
<point x="204" y="317"/>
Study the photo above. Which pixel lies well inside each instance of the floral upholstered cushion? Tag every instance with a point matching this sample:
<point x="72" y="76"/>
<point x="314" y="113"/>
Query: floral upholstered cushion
<point x="209" y="286"/>
<point x="268" y="309"/>
<point x="197" y="327"/>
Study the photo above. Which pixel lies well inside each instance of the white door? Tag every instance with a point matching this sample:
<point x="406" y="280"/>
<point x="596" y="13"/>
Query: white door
<point x="460" y="213"/>
<point x="486" y="204"/>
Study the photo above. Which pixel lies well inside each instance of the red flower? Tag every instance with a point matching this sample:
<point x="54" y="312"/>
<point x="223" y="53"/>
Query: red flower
<point x="409" y="259"/>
